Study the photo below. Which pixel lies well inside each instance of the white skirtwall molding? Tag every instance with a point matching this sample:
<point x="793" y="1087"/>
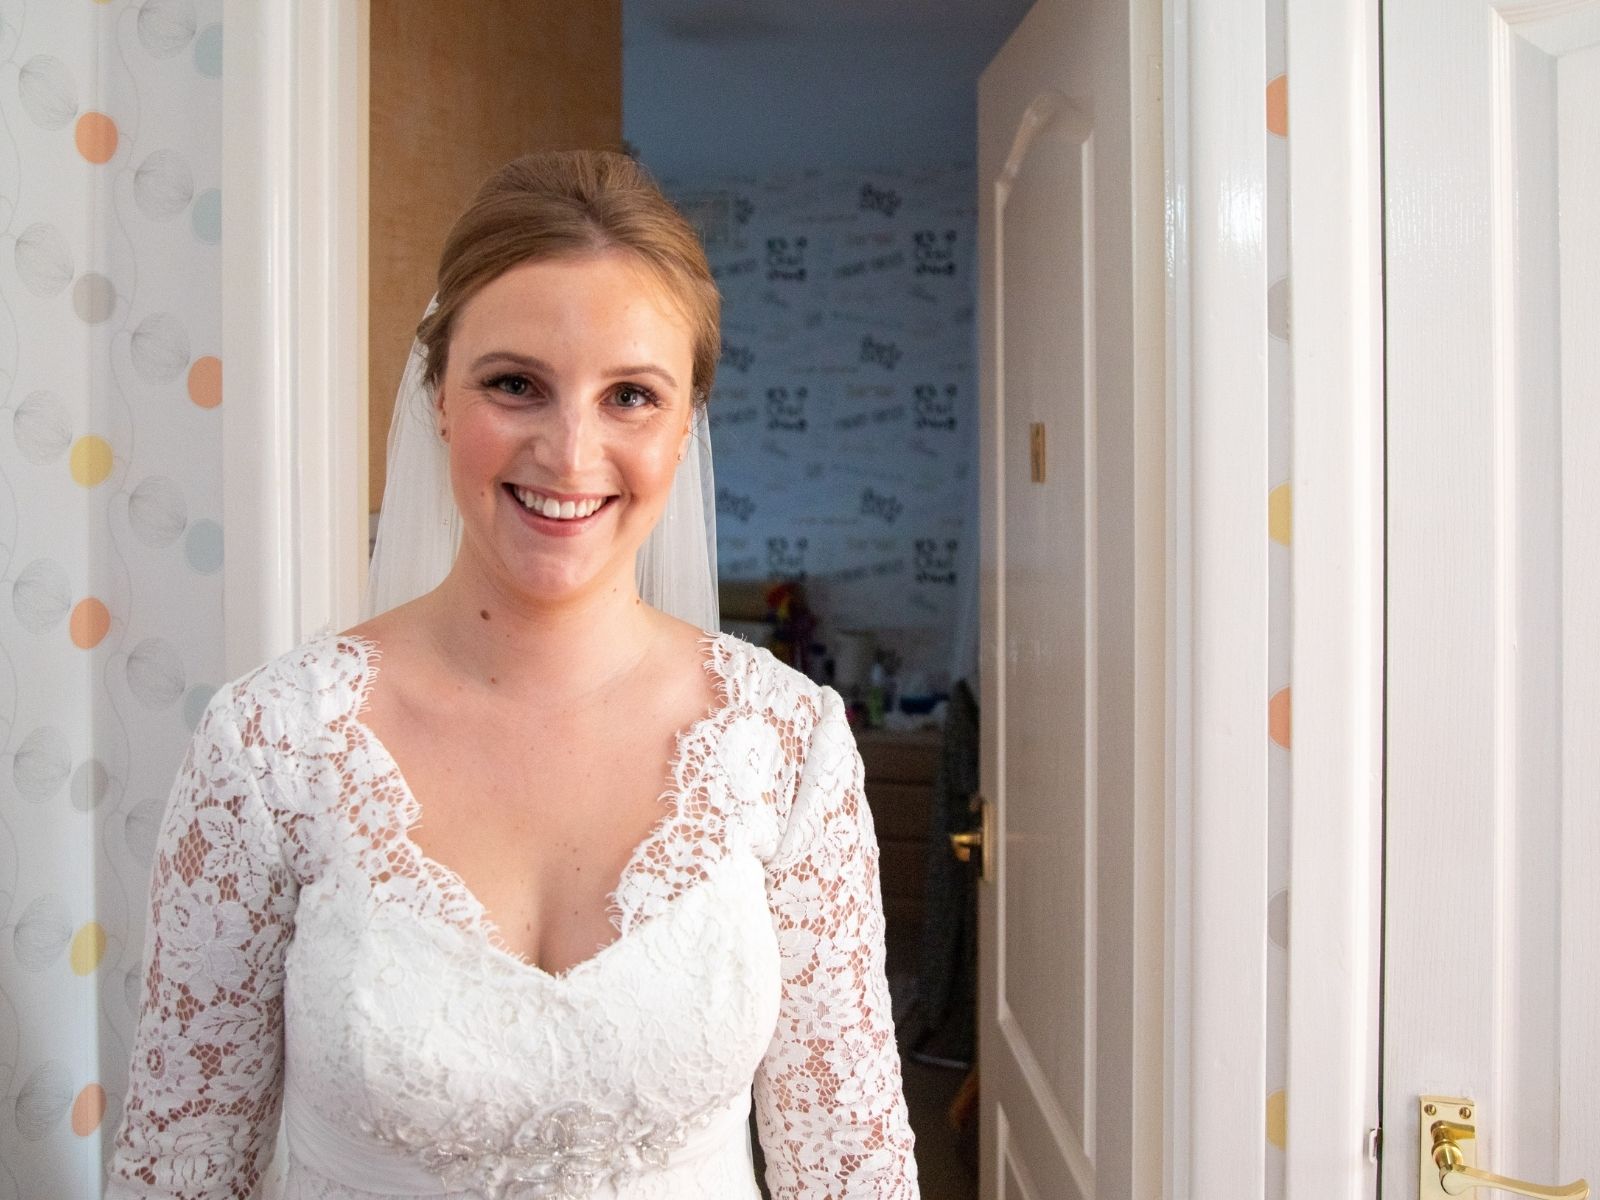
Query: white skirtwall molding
<point x="1335" y="931"/>
<point x="294" y="185"/>
<point x="1217" y="840"/>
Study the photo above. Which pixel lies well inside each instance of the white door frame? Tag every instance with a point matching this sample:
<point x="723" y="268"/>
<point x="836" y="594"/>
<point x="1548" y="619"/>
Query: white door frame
<point x="1217" y="944"/>
<point x="1336" y="864"/>
<point x="294" y="322"/>
<point x="294" y="480"/>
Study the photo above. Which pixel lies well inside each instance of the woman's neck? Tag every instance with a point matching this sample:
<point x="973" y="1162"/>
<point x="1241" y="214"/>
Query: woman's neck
<point x="547" y="652"/>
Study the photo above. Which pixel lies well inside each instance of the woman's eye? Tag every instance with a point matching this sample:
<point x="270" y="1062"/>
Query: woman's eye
<point x="631" y="396"/>
<point x="511" y="385"/>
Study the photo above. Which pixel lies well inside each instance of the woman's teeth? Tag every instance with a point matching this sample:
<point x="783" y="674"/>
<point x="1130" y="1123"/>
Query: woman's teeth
<point x="556" y="510"/>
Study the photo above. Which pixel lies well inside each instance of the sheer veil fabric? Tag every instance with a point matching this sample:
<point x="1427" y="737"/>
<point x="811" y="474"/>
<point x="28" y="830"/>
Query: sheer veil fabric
<point x="419" y="527"/>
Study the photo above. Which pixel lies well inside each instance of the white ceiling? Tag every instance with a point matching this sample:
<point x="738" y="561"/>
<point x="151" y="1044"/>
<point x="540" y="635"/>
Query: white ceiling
<point x="713" y="88"/>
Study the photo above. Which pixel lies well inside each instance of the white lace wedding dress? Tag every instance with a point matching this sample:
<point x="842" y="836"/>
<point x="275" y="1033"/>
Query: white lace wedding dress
<point x="305" y="953"/>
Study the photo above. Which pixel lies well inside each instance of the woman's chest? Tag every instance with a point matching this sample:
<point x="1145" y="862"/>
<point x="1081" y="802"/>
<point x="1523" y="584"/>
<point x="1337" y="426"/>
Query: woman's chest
<point x="398" y="1018"/>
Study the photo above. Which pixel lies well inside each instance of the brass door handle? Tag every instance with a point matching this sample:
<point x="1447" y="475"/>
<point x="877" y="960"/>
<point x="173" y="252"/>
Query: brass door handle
<point x="963" y="844"/>
<point x="980" y="839"/>
<point x="1447" y="1149"/>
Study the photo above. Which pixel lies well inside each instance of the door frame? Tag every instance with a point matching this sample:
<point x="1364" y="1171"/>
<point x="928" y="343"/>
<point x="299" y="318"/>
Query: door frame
<point x="294" y="254"/>
<point x="1217" y="843"/>
<point x="1337" y="354"/>
<point x="294" y="483"/>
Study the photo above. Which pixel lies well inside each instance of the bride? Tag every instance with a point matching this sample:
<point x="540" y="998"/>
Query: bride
<point x="516" y="889"/>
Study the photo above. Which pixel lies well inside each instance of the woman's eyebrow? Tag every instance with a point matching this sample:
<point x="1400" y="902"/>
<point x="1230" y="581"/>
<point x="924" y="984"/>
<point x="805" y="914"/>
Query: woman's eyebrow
<point x="532" y="363"/>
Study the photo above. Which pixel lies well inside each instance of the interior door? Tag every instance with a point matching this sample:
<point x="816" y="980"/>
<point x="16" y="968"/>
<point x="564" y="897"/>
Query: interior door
<point x="1073" y="628"/>
<point x="1492" y="903"/>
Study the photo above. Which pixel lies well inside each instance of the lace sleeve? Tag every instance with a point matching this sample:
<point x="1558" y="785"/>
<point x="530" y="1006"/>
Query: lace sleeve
<point x="829" y="1102"/>
<point x="204" y="1083"/>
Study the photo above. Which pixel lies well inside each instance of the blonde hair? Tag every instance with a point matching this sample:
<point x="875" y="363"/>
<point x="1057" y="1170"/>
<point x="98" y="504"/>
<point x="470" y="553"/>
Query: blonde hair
<point x="565" y="204"/>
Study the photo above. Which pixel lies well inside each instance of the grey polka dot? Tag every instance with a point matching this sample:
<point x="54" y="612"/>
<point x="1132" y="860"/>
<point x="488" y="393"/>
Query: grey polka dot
<point x="42" y="427"/>
<point x="1278" y="918"/>
<point x="42" y="933"/>
<point x="133" y="989"/>
<point x="157" y="511"/>
<point x="90" y="782"/>
<point x="48" y="93"/>
<point x="163" y="185"/>
<point x="203" y="547"/>
<point x="194" y="703"/>
<point x="41" y="596"/>
<point x="44" y="260"/>
<point x="142" y="827"/>
<point x="166" y="26"/>
<point x="43" y="1100"/>
<point x="208" y="52"/>
<point x="206" y="216"/>
<point x="42" y="763"/>
<point x="155" y="673"/>
<point x="94" y="298"/>
<point x="1278" y="309"/>
<point x="160" y="348"/>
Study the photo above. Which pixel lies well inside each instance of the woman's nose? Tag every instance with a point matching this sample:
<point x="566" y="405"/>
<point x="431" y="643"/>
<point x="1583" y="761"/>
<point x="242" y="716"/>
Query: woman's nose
<point x="568" y="443"/>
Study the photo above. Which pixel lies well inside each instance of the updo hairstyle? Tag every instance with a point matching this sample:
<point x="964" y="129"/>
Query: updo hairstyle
<point x="566" y="204"/>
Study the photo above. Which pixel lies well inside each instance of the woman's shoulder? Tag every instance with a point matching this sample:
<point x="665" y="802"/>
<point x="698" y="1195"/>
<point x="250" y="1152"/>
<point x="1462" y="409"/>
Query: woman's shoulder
<point x="754" y="677"/>
<point x="313" y="685"/>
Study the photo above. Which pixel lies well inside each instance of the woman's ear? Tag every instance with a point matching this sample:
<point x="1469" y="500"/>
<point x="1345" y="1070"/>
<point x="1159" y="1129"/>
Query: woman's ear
<point x="438" y="414"/>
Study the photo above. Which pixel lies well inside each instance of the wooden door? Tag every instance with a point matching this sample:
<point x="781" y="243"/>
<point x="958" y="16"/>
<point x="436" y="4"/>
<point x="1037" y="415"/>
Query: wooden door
<point x="1492" y="903"/>
<point x="1071" y="354"/>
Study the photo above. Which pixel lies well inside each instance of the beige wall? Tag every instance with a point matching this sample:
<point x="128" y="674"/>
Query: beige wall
<point x="457" y="90"/>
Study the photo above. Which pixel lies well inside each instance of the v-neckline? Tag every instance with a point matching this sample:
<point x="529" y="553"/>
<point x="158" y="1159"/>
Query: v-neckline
<point x="718" y="651"/>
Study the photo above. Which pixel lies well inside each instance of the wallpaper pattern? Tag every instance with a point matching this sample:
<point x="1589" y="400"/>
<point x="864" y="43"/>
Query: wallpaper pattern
<point x="1280" y="623"/>
<point x="845" y="410"/>
<point x="110" y="531"/>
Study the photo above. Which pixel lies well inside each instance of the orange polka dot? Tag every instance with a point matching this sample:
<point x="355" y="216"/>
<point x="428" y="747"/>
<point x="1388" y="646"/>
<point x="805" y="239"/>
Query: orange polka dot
<point x="205" y="381"/>
<point x="96" y="135"/>
<point x="88" y="1109"/>
<point x="1278" y="106"/>
<point x="91" y="621"/>
<point x="1278" y="718"/>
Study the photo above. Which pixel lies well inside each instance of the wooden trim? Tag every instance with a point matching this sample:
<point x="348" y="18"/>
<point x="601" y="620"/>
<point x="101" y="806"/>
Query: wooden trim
<point x="294" y="322"/>
<point x="1335" y="244"/>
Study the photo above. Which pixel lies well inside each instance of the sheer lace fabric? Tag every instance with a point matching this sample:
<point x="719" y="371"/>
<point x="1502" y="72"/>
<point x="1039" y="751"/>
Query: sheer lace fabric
<point x="305" y="954"/>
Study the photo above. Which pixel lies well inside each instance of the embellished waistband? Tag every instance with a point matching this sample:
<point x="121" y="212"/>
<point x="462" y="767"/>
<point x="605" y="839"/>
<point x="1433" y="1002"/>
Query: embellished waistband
<point x="566" y="1152"/>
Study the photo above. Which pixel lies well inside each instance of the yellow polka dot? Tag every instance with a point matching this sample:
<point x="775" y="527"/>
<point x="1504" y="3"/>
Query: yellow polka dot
<point x="90" y="461"/>
<point x="88" y="947"/>
<point x="90" y="622"/>
<point x="96" y="137"/>
<point x="1278" y="1118"/>
<point x="88" y="1110"/>
<point x="1278" y="106"/>
<point x="1278" y="718"/>
<point x="1280" y="514"/>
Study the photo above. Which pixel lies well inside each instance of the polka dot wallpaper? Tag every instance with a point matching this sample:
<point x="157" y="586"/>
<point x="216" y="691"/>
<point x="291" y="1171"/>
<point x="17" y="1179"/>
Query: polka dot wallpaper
<point x="111" y="542"/>
<point x="1277" y="518"/>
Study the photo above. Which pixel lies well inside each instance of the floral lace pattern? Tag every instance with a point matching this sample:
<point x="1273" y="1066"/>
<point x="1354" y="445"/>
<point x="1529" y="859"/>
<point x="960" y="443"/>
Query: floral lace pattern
<point x="302" y="946"/>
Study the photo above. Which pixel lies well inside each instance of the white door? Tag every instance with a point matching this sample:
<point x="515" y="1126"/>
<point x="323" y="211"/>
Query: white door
<point x="1073" y="626"/>
<point x="1492" y="896"/>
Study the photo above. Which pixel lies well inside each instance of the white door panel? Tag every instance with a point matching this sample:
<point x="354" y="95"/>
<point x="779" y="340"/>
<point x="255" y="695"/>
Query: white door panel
<point x="1492" y="169"/>
<point x="1060" y="343"/>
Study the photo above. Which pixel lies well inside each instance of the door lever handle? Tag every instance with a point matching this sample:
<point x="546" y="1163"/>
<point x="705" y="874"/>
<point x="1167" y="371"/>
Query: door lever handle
<point x="1448" y="1145"/>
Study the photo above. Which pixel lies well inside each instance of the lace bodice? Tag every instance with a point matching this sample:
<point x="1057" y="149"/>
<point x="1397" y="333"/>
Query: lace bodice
<point x="304" y="954"/>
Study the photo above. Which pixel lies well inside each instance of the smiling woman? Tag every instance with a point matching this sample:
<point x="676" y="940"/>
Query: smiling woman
<point x="647" y="881"/>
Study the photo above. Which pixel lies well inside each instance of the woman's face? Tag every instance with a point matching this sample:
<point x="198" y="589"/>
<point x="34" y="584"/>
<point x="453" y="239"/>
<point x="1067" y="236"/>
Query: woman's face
<point x="566" y="402"/>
